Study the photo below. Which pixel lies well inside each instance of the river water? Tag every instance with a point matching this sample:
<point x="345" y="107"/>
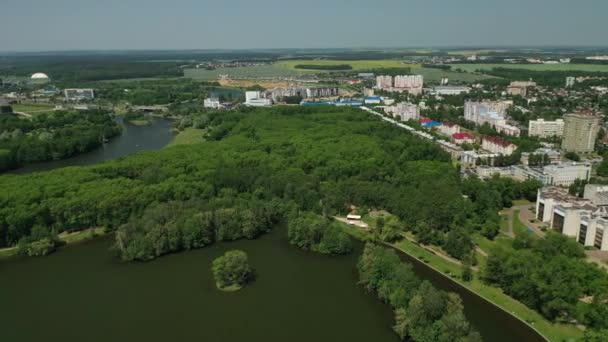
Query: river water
<point x="132" y="139"/>
<point x="81" y="293"/>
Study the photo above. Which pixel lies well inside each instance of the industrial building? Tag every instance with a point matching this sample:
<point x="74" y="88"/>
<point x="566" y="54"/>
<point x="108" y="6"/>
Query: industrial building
<point x="450" y="90"/>
<point x="580" y="132"/>
<point x="256" y="99"/>
<point x="546" y="129"/>
<point x="585" y="219"/>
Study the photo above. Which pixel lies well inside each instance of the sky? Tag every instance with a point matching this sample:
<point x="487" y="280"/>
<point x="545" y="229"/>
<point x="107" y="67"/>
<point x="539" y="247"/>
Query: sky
<point x="42" y="25"/>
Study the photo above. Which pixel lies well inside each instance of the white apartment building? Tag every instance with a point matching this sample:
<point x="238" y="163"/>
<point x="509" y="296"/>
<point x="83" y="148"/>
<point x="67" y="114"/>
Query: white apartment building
<point x="498" y="145"/>
<point x="545" y="129"/>
<point x="583" y="219"/>
<point x="404" y="111"/>
<point x="492" y="113"/>
<point x="384" y="82"/>
<point x="409" y="81"/>
<point x="450" y="90"/>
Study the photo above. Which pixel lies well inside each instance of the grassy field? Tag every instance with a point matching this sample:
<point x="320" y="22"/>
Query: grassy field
<point x="536" y="67"/>
<point x="33" y="108"/>
<point x="553" y="332"/>
<point x="188" y="136"/>
<point x="287" y="69"/>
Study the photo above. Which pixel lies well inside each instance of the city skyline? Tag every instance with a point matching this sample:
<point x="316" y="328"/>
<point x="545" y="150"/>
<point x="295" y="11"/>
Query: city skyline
<point x="35" y="25"/>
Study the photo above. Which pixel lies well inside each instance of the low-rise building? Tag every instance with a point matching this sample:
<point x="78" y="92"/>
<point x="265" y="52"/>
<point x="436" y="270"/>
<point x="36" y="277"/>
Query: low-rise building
<point x="257" y="99"/>
<point x="212" y="102"/>
<point x="498" y="145"/>
<point x="517" y="91"/>
<point x="463" y="138"/>
<point x="450" y="90"/>
<point x="541" y="156"/>
<point x="373" y="100"/>
<point x="449" y="128"/>
<point x="78" y="94"/>
<point x="580" y="218"/>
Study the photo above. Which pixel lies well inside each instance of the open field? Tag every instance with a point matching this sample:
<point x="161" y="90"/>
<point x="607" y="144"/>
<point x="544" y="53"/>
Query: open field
<point x="357" y="65"/>
<point x="536" y="67"/>
<point x="33" y="108"/>
<point x="187" y="137"/>
<point x="268" y="84"/>
<point x="287" y="69"/>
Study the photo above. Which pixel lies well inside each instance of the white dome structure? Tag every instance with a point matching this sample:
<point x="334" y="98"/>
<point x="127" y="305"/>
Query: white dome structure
<point x="40" y="76"/>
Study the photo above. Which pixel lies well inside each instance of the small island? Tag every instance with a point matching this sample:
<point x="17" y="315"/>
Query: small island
<point x="232" y="271"/>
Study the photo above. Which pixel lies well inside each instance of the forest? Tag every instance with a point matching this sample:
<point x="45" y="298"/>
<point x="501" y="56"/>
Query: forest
<point x="321" y="159"/>
<point x="53" y="136"/>
<point x="422" y="312"/>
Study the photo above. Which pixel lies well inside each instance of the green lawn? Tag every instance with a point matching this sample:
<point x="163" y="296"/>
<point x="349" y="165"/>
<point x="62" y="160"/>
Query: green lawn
<point x="518" y="226"/>
<point x="33" y="108"/>
<point x="188" y="136"/>
<point x="536" y="67"/>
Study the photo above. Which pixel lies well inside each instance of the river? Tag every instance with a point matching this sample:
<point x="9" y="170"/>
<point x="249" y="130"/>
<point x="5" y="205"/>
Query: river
<point x="132" y="139"/>
<point x="81" y="293"/>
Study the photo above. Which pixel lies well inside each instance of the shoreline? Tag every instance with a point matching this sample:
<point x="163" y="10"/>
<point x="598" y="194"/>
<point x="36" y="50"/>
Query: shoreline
<point x="67" y="238"/>
<point x="551" y="333"/>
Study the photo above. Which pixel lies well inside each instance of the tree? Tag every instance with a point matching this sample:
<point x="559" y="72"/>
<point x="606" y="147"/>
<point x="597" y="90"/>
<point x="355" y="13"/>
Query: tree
<point x="572" y="156"/>
<point x="458" y="243"/>
<point x="467" y="272"/>
<point x="231" y="271"/>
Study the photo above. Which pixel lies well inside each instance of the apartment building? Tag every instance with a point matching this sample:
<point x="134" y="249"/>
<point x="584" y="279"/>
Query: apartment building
<point x="580" y="132"/>
<point x="492" y="113"/>
<point x="546" y="129"/>
<point x="404" y="111"/>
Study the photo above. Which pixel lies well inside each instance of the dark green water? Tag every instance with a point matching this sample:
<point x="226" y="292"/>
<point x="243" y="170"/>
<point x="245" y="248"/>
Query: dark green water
<point x="82" y="294"/>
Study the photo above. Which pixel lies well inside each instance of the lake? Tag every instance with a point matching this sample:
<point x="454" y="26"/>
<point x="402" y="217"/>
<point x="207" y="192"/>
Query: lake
<point x="81" y="293"/>
<point x="132" y="139"/>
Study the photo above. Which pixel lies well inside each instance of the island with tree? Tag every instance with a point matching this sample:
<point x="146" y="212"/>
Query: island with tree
<point x="232" y="271"/>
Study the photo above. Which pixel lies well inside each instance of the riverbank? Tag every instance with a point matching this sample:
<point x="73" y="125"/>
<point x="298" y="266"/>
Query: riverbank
<point x="66" y="238"/>
<point x="493" y="295"/>
<point x="188" y="136"/>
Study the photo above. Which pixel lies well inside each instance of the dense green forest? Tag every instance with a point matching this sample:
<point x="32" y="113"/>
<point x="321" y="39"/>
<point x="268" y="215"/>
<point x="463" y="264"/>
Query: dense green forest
<point x="322" y="159"/>
<point x="552" y="276"/>
<point x="53" y="136"/>
<point x="553" y="78"/>
<point x="422" y="312"/>
<point x="312" y="232"/>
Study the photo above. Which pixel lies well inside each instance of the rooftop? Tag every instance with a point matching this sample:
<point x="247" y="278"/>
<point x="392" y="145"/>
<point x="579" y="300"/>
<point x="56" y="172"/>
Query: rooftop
<point x="498" y="141"/>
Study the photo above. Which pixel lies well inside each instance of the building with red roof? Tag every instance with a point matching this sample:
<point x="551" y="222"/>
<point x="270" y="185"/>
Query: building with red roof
<point x="498" y="145"/>
<point x="463" y="138"/>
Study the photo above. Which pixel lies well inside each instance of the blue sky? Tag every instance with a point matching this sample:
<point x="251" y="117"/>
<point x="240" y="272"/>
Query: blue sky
<point x="228" y="24"/>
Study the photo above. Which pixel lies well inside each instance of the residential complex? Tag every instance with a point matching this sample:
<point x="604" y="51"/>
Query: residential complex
<point x="450" y="90"/>
<point x="498" y="145"/>
<point x="546" y="129"/>
<point x="585" y="219"/>
<point x="449" y="128"/>
<point x="463" y="138"/>
<point x="404" y="111"/>
<point x="580" y="132"/>
<point x="492" y="113"/>
<point x="411" y="83"/>
<point x="545" y="155"/>
<point x="278" y="94"/>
